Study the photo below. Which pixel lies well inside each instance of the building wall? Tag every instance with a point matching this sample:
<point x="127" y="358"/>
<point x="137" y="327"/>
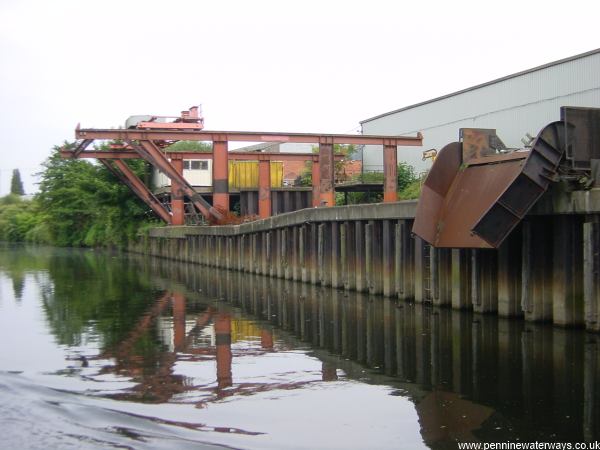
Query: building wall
<point x="196" y="177"/>
<point x="292" y="170"/>
<point x="514" y="105"/>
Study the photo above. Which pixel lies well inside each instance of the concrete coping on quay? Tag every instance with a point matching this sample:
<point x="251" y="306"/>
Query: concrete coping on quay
<point x="556" y="201"/>
<point x="377" y="211"/>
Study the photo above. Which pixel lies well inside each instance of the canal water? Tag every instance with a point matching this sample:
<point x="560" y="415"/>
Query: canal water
<point x="101" y="350"/>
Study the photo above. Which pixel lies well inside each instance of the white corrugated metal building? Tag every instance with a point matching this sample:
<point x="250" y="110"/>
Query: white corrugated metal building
<point x="514" y="105"/>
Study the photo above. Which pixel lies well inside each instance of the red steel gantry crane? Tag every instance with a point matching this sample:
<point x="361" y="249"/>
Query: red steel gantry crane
<point x="148" y="136"/>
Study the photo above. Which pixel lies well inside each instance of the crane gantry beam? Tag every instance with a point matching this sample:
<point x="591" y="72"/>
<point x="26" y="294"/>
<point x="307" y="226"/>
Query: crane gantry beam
<point x="245" y="136"/>
<point x="149" y="144"/>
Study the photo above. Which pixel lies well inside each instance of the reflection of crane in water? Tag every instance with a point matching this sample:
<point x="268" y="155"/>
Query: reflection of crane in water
<point x="157" y="381"/>
<point x="444" y="416"/>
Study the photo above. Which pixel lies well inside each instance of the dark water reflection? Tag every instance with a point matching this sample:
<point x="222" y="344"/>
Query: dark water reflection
<point x="99" y="350"/>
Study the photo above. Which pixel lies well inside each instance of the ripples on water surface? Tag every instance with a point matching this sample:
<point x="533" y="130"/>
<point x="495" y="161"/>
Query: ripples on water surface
<point x="108" y="351"/>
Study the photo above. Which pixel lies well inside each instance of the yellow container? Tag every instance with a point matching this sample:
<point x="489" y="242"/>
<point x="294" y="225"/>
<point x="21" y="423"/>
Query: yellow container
<point x="244" y="330"/>
<point x="244" y="174"/>
<point x="276" y="174"/>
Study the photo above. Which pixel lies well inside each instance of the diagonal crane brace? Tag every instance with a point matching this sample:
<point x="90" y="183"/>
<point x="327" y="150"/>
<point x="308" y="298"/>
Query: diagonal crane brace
<point x="151" y="153"/>
<point x="130" y="179"/>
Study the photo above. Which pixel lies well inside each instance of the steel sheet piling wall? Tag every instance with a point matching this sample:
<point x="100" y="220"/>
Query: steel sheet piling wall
<point x="547" y="270"/>
<point x="387" y="261"/>
<point x="333" y="253"/>
<point x="360" y="284"/>
<point x="567" y="294"/>
<point x="509" y="276"/>
<point x="591" y="272"/>
<point x="348" y="256"/>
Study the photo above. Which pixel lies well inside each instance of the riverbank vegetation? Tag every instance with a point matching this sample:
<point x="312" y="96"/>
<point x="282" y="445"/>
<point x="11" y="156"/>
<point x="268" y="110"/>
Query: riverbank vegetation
<point x="78" y="204"/>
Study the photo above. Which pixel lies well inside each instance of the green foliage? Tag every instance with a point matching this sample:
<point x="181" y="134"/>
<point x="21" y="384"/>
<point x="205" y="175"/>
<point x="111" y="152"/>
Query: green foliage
<point x="411" y="191"/>
<point x="339" y="149"/>
<point x="369" y="177"/>
<point x="97" y="287"/>
<point x="10" y="199"/>
<point x="79" y="204"/>
<point x="17" y="218"/>
<point x="357" y="198"/>
<point x="305" y="178"/>
<point x="16" y="185"/>
<point x="190" y="146"/>
<point x="406" y="176"/>
<point x="409" y="186"/>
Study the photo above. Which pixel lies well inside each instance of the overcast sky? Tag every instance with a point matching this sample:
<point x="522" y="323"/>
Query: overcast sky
<point x="305" y="66"/>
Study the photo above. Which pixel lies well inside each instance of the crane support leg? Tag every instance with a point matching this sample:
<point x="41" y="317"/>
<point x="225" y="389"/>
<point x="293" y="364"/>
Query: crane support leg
<point x="177" y="193"/>
<point x="264" y="189"/>
<point x="326" y="169"/>
<point x="220" y="175"/>
<point x="126" y="175"/>
<point x="390" y="170"/>
<point x="316" y="182"/>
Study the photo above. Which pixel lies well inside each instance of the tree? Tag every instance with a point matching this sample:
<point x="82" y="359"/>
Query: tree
<point x="409" y="186"/>
<point x="16" y="185"/>
<point x="84" y="205"/>
<point x="190" y="146"/>
<point x="17" y="218"/>
<point x="406" y="175"/>
<point x="78" y="204"/>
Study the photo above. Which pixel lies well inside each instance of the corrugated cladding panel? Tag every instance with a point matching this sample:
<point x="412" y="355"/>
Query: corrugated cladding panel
<point x="244" y="174"/>
<point x="513" y="106"/>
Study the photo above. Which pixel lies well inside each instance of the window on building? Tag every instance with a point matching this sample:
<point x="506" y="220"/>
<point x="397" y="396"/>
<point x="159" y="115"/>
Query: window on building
<point x="199" y="165"/>
<point x="195" y="165"/>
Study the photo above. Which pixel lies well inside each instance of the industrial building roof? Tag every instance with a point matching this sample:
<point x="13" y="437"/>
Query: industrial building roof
<point x="488" y="83"/>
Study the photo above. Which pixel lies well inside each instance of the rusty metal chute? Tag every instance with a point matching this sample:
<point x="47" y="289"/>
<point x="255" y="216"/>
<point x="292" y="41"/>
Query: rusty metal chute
<point x="476" y="192"/>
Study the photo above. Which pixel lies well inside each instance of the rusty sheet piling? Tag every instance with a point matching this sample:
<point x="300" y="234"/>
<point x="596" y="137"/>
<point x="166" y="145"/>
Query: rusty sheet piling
<point x="546" y="271"/>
